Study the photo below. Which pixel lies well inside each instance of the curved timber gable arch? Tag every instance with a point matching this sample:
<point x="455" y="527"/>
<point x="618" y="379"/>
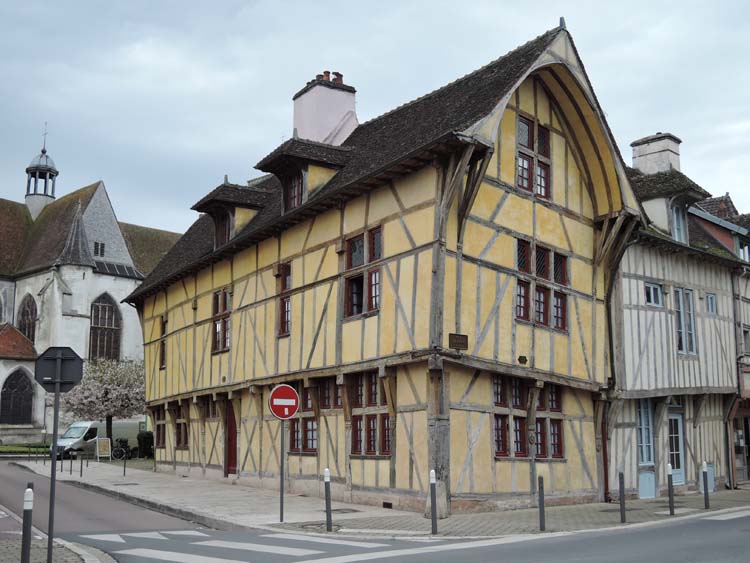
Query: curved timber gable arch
<point x="562" y="74"/>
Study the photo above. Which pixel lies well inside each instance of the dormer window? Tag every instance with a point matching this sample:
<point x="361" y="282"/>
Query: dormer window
<point x="744" y="251"/>
<point x="679" y="224"/>
<point x="223" y="223"/>
<point x="293" y="192"/>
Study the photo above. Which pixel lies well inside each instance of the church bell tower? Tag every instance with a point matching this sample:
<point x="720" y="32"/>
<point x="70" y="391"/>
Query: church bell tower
<point x="40" y="182"/>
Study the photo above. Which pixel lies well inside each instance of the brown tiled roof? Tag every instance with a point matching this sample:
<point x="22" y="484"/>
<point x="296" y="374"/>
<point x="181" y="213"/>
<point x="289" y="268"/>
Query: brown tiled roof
<point x="306" y="150"/>
<point x="15" y="222"/>
<point x="742" y="220"/>
<point x="699" y="237"/>
<point x="373" y="147"/>
<point x="146" y="245"/>
<point x="721" y="206"/>
<point x="14" y="345"/>
<point x="663" y="184"/>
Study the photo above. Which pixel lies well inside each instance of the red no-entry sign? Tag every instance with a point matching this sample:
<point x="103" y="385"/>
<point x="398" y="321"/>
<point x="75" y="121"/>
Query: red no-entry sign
<point x="283" y="402"/>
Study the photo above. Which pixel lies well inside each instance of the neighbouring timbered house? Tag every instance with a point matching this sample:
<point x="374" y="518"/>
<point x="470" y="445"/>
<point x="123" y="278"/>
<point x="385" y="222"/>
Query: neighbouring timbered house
<point x="496" y="207"/>
<point x="675" y="307"/>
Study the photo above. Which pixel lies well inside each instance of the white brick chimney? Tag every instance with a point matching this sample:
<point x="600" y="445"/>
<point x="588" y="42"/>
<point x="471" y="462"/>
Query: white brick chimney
<point x="656" y="153"/>
<point x="324" y="110"/>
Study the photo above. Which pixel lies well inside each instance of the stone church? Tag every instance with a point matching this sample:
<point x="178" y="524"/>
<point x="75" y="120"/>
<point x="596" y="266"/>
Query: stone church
<point x="65" y="265"/>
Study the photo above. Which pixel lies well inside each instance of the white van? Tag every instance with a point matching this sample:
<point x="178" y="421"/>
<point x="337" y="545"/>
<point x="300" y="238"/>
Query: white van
<point x="81" y="436"/>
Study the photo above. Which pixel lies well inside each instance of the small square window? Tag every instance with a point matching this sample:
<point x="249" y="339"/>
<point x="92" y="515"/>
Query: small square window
<point x="561" y="269"/>
<point x="526" y="133"/>
<point x="525" y="166"/>
<point x="355" y="255"/>
<point x="522" y="300"/>
<point x="498" y="390"/>
<point x="654" y="295"/>
<point x="501" y="435"/>
<point x="541" y="306"/>
<point x="376" y="244"/>
<point x="542" y="180"/>
<point x="355" y="288"/>
<point x="542" y="262"/>
<point x="357" y="432"/>
<point x="543" y="142"/>
<point x="519" y="437"/>
<point x="560" y="311"/>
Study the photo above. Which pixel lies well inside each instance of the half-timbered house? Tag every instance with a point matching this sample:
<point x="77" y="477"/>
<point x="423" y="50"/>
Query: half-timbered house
<point x="675" y="324"/>
<point x="494" y="208"/>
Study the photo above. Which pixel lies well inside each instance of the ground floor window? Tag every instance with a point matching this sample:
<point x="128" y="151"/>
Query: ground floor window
<point x="16" y="399"/>
<point x="160" y="421"/>
<point x="645" y="433"/>
<point x="181" y="428"/>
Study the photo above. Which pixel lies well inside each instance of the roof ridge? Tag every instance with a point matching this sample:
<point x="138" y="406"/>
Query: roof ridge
<point x="149" y="228"/>
<point x="459" y="79"/>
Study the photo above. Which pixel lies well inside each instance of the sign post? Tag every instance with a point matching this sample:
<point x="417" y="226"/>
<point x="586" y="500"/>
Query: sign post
<point x="284" y="404"/>
<point x="57" y="370"/>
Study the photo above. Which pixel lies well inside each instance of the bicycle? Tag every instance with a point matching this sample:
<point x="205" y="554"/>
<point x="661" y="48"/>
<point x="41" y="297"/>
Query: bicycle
<point x="121" y="450"/>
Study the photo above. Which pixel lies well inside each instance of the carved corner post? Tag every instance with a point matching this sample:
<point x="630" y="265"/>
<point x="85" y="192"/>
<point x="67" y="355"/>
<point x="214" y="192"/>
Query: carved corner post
<point x="532" y="399"/>
<point x="202" y="405"/>
<point x="152" y="418"/>
<point x="439" y="430"/>
<point x="171" y="421"/>
<point x="600" y="403"/>
<point x="388" y="377"/>
<point x="347" y="392"/>
<point x="256" y="401"/>
<point x="235" y="399"/>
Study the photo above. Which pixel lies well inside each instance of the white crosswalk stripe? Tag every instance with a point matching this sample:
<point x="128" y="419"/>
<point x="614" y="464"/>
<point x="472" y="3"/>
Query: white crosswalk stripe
<point x="729" y="516"/>
<point x="175" y="556"/>
<point x="316" y="539"/>
<point x="195" y="533"/>
<point x="263" y="548"/>
<point x="146" y="535"/>
<point x="106" y="537"/>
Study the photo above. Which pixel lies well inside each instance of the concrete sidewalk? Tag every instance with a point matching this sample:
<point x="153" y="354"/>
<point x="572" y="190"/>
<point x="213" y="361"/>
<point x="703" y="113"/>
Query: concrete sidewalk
<point x="226" y="505"/>
<point x="209" y="502"/>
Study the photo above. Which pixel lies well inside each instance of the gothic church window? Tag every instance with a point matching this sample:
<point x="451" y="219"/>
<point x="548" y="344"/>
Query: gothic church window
<point x="27" y="316"/>
<point x="16" y="398"/>
<point x="106" y="323"/>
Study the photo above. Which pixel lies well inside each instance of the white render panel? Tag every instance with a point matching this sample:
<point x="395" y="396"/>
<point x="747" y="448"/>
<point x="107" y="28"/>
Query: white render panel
<point x="651" y="361"/>
<point x="658" y="212"/>
<point x="325" y="115"/>
<point x="7" y="301"/>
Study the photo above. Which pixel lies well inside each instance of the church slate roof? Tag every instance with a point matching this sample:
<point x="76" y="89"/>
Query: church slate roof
<point x="373" y="147"/>
<point x="663" y="184"/>
<point x="146" y="245"/>
<point x="14" y="345"/>
<point x="55" y="236"/>
<point x="14" y="228"/>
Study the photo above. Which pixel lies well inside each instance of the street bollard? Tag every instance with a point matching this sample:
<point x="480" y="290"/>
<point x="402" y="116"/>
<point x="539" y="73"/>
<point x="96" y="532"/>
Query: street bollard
<point x="622" y="497"/>
<point x="542" y="523"/>
<point x="88" y="456"/>
<point x="327" y="481"/>
<point x="62" y="468"/>
<point x="670" y="489"/>
<point x="705" y="485"/>
<point x="81" y="475"/>
<point x="44" y="460"/>
<point x="433" y="501"/>
<point x="28" y="454"/>
<point x="28" y="507"/>
<point x="70" y="472"/>
<point x="124" y="463"/>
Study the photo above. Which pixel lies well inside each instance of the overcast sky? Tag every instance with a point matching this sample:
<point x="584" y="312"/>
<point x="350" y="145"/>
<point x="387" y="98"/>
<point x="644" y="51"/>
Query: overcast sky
<point x="161" y="99"/>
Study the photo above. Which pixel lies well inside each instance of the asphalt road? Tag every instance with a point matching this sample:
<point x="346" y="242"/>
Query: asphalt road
<point x="77" y="510"/>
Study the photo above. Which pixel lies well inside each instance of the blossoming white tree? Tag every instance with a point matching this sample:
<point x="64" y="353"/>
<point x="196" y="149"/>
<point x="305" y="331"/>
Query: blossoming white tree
<point x="109" y="389"/>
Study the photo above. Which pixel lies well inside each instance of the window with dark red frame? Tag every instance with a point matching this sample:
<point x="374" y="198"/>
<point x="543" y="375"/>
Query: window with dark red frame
<point x="518" y="392"/>
<point x="541" y="400"/>
<point x="223" y="228"/>
<point x="561" y="269"/>
<point x="519" y="437"/>
<point x="543" y="144"/>
<point x="285" y="301"/>
<point x="295" y="439"/>
<point x="542" y="180"/>
<point x="542" y="262"/>
<point x="222" y="309"/>
<point x="559" y="311"/>
<point x="522" y="300"/>
<point x="372" y="389"/>
<point x="359" y="390"/>
<point x="371" y="442"/>
<point x="163" y="343"/>
<point x="554" y="401"/>
<point x="533" y="165"/>
<point x="324" y="392"/>
<point x="523" y="256"/>
<point x="526" y="133"/>
<point x="525" y="164"/>
<point x="541" y="438"/>
<point x="307" y="400"/>
<point x="310" y="431"/>
<point x="160" y="421"/>
<point x="385" y="434"/>
<point x="357" y="431"/>
<point x="498" y="390"/>
<point x="293" y="192"/>
<point x="541" y="305"/>
<point x="363" y="290"/>
<point x="556" y="437"/>
<point x="501" y="435"/>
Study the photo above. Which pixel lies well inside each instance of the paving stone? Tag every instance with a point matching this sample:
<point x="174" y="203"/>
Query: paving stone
<point x="10" y="550"/>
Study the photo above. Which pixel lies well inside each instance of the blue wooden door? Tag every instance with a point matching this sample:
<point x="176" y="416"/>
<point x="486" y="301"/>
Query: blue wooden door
<point x="676" y="449"/>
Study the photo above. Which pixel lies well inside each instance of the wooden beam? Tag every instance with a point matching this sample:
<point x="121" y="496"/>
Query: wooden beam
<point x="698" y="403"/>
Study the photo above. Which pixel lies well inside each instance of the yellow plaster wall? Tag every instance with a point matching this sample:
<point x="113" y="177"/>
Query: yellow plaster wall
<point x="317" y="176"/>
<point x="242" y="217"/>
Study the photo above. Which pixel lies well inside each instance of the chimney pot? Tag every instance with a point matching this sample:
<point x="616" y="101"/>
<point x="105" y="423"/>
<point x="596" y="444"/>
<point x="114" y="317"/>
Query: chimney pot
<point x="656" y="153"/>
<point x="338" y="78"/>
<point x="318" y="77"/>
<point x="326" y="75"/>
